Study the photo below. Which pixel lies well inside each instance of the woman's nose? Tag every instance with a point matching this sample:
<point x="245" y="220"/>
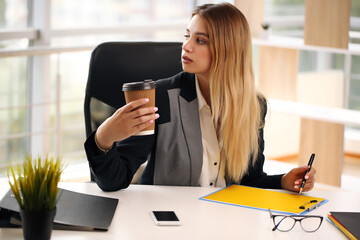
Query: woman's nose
<point x="187" y="46"/>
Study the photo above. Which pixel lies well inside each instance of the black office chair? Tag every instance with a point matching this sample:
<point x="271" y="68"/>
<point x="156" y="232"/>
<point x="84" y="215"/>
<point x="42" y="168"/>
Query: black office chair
<point x="115" y="63"/>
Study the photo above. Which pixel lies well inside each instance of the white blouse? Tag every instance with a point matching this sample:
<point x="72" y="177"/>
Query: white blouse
<point x="212" y="173"/>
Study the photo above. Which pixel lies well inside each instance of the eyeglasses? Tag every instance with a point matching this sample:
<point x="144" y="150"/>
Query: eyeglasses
<point x="284" y="223"/>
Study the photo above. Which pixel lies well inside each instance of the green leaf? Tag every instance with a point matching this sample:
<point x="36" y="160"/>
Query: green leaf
<point x="35" y="186"/>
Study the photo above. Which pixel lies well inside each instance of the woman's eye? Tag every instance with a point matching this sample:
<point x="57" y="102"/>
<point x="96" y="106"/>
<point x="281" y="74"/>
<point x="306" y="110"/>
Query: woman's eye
<point x="199" y="40"/>
<point x="186" y="36"/>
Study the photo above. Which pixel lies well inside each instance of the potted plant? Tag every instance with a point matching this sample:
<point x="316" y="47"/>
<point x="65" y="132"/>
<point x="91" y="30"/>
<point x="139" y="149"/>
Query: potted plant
<point x="35" y="189"/>
<point x="265" y="30"/>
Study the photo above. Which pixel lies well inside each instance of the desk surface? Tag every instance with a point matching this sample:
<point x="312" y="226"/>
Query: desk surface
<point x="199" y="219"/>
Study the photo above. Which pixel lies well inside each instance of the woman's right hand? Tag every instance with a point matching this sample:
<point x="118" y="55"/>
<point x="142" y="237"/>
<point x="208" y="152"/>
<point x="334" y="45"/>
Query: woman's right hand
<point x="125" y="122"/>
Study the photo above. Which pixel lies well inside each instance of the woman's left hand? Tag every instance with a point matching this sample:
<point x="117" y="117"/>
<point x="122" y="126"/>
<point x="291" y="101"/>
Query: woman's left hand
<point x="293" y="179"/>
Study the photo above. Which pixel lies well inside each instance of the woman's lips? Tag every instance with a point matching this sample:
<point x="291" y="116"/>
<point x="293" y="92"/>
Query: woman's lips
<point x="186" y="60"/>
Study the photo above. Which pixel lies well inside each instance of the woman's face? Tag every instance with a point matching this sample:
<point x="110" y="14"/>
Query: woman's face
<point x="196" y="56"/>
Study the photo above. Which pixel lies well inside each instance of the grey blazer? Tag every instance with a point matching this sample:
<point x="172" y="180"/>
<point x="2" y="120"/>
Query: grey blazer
<point x="174" y="152"/>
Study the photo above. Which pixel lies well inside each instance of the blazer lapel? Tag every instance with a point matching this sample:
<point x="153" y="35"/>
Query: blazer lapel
<point x="189" y="112"/>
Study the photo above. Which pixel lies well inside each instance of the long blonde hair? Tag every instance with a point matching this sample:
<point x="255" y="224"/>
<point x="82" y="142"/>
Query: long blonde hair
<point x="234" y="103"/>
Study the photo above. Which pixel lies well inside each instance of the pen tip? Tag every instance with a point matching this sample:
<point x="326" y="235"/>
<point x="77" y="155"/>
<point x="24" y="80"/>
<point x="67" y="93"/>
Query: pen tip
<point x="300" y="191"/>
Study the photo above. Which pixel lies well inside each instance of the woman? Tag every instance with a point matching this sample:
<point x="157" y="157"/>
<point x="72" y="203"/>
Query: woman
<point x="209" y="118"/>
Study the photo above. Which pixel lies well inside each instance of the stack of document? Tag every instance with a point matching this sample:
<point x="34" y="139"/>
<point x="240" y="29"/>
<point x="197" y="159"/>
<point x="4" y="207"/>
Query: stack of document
<point x="347" y="222"/>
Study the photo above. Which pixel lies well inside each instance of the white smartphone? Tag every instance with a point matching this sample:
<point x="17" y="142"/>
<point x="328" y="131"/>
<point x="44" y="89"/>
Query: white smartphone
<point x="165" y="218"/>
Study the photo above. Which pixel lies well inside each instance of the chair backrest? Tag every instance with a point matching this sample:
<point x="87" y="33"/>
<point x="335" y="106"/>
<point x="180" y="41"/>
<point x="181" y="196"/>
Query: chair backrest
<point x="115" y="63"/>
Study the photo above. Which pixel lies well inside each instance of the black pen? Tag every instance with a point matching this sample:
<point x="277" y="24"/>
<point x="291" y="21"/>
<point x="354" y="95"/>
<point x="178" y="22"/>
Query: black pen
<point x="311" y="160"/>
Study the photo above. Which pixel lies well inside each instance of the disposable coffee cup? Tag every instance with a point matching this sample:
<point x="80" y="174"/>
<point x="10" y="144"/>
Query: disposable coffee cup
<point x="137" y="90"/>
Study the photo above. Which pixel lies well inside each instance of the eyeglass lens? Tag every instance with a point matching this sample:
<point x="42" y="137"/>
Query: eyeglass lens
<point x="310" y="224"/>
<point x="286" y="223"/>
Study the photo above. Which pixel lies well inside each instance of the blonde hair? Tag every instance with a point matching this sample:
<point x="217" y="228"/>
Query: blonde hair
<point x="234" y="103"/>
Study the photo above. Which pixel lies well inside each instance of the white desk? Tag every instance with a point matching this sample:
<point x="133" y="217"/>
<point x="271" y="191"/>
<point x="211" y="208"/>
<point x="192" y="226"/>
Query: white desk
<point x="200" y="219"/>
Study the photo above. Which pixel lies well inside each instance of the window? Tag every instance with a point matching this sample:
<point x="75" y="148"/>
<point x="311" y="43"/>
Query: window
<point x="286" y="18"/>
<point x="44" y="60"/>
<point x="45" y="48"/>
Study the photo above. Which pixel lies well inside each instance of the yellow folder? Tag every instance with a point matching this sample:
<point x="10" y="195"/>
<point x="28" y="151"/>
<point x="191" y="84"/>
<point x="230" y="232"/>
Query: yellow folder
<point x="264" y="199"/>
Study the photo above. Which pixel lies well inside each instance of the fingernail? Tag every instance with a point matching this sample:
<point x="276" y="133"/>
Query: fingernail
<point x="306" y="177"/>
<point x="155" y="109"/>
<point x="296" y="183"/>
<point x="157" y="116"/>
<point x="296" y="187"/>
<point x="151" y="121"/>
<point x="146" y="100"/>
